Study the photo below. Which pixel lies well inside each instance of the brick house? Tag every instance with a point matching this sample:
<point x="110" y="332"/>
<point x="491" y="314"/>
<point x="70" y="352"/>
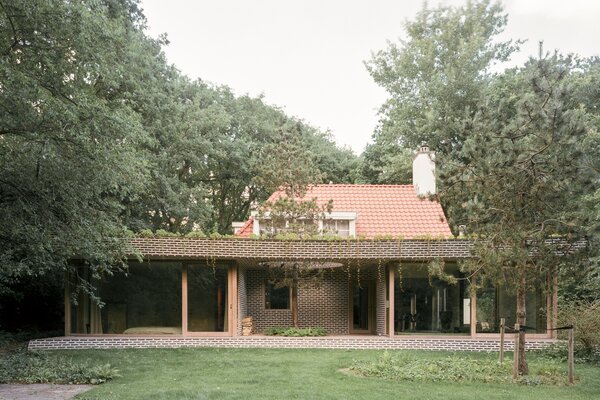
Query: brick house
<point x="376" y="282"/>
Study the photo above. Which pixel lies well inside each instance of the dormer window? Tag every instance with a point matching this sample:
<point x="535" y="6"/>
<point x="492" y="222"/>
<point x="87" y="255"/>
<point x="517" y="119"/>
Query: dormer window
<point x="337" y="227"/>
<point x="270" y="227"/>
<point x="341" y="224"/>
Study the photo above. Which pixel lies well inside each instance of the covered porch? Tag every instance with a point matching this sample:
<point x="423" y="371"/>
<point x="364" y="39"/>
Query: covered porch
<point x="204" y="287"/>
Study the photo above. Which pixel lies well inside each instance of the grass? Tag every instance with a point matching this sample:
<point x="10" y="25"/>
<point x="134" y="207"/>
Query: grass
<point x="297" y="374"/>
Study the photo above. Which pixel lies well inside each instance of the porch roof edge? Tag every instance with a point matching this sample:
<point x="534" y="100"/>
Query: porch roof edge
<point x="265" y="250"/>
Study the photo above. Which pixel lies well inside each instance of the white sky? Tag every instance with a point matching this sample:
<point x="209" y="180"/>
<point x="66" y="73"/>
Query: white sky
<point x="306" y="56"/>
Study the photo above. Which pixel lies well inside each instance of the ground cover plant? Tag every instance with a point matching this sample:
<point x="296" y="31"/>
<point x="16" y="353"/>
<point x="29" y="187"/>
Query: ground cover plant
<point x="205" y="373"/>
<point x="291" y="331"/>
<point x="17" y="365"/>
<point x="456" y="368"/>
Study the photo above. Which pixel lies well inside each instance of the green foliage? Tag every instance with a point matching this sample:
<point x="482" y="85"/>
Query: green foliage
<point x="579" y="281"/>
<point x="558" y="352"/>
<point x="99" y="137"/>
<point x="298" y="332"/>
<point x="521" y="174"/>
<point x="453" y="369"/>
<point x="146" y="233"/>
<point x="385" y="163"/>
<point x="68" y="139"/>
<point x="435" y="79"/>
<point x="195" y="235"/>
<point x="585" y="316"/>
<point x="40" y="367"/>
<point x="164" y="233"/>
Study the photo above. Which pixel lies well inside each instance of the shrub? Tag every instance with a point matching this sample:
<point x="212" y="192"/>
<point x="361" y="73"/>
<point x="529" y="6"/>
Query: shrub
<point x="163" y="233"/>
<point x="146" y="233"/>
<point x="298" y="332"/>
<point x="195" y="235"/>
<point x="38" y="367"/>
<point x="453" y="369"/>
<point x="558" y="352"/>
<point x="585" y="316"/>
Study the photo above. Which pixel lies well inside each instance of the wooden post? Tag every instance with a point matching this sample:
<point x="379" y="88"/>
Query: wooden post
<point x="184" y="300"/>
<point x="473" y="313"/>
<point x="571" y="351"/>
<point x="502" y="321"/>
<point x="67" y="304"/>
<point x="232" y="300"/>
<point x="391" y="301"/>
<point x="516" y="352"/>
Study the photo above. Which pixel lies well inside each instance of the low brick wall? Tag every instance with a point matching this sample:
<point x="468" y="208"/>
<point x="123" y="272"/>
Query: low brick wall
<point x="328" y="342"/>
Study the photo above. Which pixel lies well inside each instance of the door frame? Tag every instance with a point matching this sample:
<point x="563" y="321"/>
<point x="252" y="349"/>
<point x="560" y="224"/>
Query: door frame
<point x="370" y="285"/>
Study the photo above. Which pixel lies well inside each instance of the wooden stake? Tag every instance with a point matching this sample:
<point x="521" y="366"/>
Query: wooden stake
<point x="516" y="352"/>
<point x="571" y="358"/>
<point x="502" y="321"/>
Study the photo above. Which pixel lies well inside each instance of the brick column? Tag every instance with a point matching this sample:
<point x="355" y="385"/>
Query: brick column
<point x="242" y="299"/>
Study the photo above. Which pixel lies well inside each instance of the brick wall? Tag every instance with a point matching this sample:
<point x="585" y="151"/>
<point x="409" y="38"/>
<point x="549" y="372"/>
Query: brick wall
<point x="263" y="250"/>
<point x="324" y="304"/>
<point x="319" y="305"/>
<point x="345" y="342"/>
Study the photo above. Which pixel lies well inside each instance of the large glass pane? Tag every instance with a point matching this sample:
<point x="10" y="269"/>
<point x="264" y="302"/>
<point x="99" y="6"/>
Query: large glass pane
<point x="207" y="298"/>
<point x="146" y="300"/>
<point x="429" y="305"/>
<point x="360" y="307"/>
<point x="494" y="303"/>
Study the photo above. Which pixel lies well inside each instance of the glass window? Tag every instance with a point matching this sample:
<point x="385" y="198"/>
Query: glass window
<point x="277" y="298"/>
<point x="427" y="305"/>
<point x="207" y="298"/>
<point x="146" y="300"/>
<point x="339" y="227"/>
<point x="270" y="227"/>
<point x="494" y="303"/>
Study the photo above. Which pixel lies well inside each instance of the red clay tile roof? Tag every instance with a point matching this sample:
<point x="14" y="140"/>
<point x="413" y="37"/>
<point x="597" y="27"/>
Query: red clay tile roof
<point x="381" y="210"/>
<point x="246" y="230"/>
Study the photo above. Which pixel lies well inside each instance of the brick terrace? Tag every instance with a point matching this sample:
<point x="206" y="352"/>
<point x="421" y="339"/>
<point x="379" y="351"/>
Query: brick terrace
<point x="327" y="342"/>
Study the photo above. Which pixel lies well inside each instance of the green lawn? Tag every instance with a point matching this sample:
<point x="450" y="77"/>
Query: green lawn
<point x="292" y="374"/>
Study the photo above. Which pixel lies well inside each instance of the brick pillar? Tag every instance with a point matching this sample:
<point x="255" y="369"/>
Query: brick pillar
<point x="242" y="299"/>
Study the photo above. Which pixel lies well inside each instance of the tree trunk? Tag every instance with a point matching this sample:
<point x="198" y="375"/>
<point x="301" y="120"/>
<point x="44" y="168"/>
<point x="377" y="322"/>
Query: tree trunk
<point x="523" y="368"/>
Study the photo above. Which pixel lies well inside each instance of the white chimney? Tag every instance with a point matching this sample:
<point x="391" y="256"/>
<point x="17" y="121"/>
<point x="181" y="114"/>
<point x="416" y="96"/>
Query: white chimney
<point x="424" y="171"/>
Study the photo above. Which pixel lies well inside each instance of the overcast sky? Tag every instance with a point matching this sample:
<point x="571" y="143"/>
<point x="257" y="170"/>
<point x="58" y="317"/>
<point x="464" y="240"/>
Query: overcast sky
<point x="306" y="56"/>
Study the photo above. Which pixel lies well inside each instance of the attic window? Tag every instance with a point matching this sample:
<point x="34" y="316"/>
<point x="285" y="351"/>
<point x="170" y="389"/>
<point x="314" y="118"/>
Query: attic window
<point x="270" y="227"/>
<point x="338" y="227"/>
<point x="339" y="223"/>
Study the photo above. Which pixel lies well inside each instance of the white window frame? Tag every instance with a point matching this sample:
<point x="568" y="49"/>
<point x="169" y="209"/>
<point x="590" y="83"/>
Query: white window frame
<point x="335" y="215"/>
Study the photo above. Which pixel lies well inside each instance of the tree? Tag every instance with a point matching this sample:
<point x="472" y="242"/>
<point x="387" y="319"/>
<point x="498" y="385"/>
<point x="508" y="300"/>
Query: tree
<point x="523" y="167"/>
<point x="435" y="79"/>
<point x="386" y="164"/>
<point x="288" y="217"/>
<point x="337" y="165"/>
<point x="68" y="140"/>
